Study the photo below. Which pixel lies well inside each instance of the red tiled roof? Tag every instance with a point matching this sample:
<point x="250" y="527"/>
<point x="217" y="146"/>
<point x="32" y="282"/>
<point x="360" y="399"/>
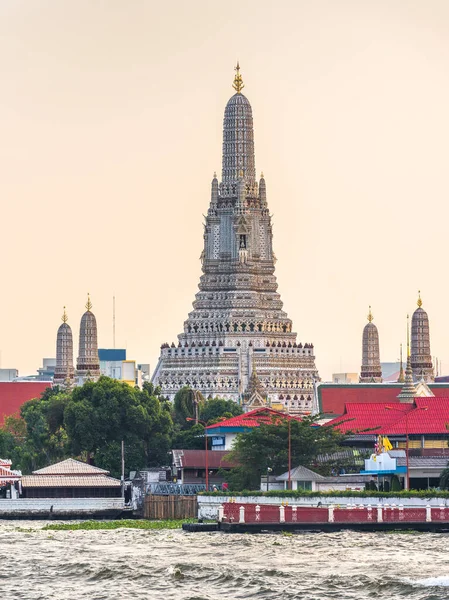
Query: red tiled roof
<point x="373" y="416"/>
<point x="254" y="418"/>
<point x="14" y="394"/>
<point x="332" y="398"/>
<point x="425" y="416"/>
<point x="431" y="415"/>
<point x="196" y="459"/>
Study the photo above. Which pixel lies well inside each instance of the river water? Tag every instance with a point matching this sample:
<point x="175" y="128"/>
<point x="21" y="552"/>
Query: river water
<point x="171" y="564"/>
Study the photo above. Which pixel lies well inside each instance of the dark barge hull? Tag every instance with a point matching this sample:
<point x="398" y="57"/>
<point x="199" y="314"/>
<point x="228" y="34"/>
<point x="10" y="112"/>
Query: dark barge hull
<point x="332" y="527"/>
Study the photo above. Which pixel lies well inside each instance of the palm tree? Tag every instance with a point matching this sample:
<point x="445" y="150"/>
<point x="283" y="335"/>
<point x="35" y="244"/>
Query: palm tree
<point x="444" y="479"/>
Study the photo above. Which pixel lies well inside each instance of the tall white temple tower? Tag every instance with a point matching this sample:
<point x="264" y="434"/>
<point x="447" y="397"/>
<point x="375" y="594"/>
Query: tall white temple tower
<point x="237" y="326"/>
<point x="64" y="371"/>
<point x="88" y="364"/>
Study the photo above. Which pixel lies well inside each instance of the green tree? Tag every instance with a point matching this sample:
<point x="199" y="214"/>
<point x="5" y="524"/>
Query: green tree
<point x="184" y="406"/>
<point x="444" y="479"/>
<point x="191" y="438"/>
<point x="216" y="409"/>
<point x="267" y="446"/>
<point x="98" y="416"/>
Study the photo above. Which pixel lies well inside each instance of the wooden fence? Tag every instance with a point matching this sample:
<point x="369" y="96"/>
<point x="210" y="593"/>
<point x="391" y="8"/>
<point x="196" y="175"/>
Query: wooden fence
<point x="170" y="507"/>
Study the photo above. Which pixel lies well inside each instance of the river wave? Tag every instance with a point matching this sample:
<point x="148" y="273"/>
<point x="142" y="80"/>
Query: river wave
<point x="175" y="565"/>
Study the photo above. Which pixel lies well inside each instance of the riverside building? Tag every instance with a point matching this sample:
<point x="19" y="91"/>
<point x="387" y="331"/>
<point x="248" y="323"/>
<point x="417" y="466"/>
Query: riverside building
<point x="238" y="329"/>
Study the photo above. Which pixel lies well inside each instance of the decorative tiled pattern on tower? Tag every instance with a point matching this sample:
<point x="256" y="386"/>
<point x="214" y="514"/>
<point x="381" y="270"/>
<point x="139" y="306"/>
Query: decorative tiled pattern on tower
<point x="88" y="364"/>
<point x="64" y="371"/>
<point x="237" y="324"/>
<point x="371" y="371"/>
<point x="421" y="358"/>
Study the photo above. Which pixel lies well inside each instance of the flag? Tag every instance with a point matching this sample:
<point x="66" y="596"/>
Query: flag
<point x="387" y="444"/>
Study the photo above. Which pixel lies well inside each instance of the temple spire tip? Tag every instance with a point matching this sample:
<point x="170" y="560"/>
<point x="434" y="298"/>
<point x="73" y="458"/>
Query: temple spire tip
<point x="88" y="303"/>
<point x="238" y="84"/>
<point x="419" y="303"/>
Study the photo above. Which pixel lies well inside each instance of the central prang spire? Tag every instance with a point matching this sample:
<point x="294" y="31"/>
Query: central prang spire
<point x="238" y="326"/>
<point x="238" y="138"/>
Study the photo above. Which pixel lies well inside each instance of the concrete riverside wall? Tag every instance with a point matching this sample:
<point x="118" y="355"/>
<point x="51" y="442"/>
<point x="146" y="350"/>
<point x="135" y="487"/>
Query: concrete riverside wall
<point x="61" y="508"/>
<point x="208" y="505"/>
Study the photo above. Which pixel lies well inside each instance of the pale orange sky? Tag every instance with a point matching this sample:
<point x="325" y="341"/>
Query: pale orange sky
<point x="111" y="121"/>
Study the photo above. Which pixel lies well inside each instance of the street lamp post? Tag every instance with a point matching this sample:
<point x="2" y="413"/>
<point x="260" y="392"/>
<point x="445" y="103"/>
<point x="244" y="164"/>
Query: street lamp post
<point x="269" y="469"/>
<point x="406" y="413"/>
<point x="207" y="457"/>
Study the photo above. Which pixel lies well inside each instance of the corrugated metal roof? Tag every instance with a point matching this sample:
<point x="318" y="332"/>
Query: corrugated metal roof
<point x="300" y="473"/>
<point x="70" y="466"/>
<point x="424" y="462"/>
<point x="196" y="459"/>
<point x="56" y="481"/>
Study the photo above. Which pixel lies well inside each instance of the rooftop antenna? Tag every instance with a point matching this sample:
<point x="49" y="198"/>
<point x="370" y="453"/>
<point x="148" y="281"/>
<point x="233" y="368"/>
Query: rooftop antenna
<point x="113" y="321"/>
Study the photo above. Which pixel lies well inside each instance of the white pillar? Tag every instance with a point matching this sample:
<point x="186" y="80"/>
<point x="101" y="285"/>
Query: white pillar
<point x="220" y="513"/>
<point x="369" y="508"/>
<point x="330" y="516"/>
<point x="257" y="513"/>
<point x="282" y="514"/>
<point x="294" y="513"/>
<point x="401" y="512"/>
<point x="428" y="513"/>
<point x="379" y="513"/>
<point x="242" y="514"/>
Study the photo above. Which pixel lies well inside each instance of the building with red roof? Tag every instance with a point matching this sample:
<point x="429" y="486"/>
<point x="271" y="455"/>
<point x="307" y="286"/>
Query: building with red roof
<point x="224" y="433"/>
<point x="15" y="393"/>
<point x="190" y="466"/>
<point x="426" y="421"/>
<point x="332" y="398"/>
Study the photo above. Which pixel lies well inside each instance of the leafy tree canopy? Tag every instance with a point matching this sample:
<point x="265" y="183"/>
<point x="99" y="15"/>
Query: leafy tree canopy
<point x="267" y="446"/>
<point x="216" y="409"/>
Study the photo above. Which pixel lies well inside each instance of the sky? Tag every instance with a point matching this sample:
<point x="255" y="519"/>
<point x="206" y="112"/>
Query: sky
<point x="111" y="122"/>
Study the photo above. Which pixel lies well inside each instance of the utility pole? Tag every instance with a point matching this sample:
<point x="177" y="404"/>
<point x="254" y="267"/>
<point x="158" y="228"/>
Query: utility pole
<point x="123" y="470"/>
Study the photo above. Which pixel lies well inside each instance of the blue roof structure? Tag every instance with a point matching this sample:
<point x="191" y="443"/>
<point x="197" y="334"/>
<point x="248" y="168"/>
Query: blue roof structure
<point x="112" y="354"/>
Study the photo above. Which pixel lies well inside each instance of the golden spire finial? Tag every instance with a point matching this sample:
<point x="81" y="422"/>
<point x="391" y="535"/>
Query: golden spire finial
<point x="89" y="303"/>
<point x="215" y="174"/>
<point x="238" y="81"/>
<point x="370" y="315"/>
<point x="261" y="175"/>
<point x="419" y="303"/>
<point x="65" y="317"/>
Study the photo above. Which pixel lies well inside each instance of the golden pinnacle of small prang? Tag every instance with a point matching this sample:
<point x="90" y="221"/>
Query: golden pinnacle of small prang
<point x="419" y="303"/>
<point x="65" y="317"/>
<point x="89" y="303"/>
<point x="215" y="174"/>
<point x="238" y="81"/>
<point x="261" y="175"/>
<point x="370" y="315"/>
